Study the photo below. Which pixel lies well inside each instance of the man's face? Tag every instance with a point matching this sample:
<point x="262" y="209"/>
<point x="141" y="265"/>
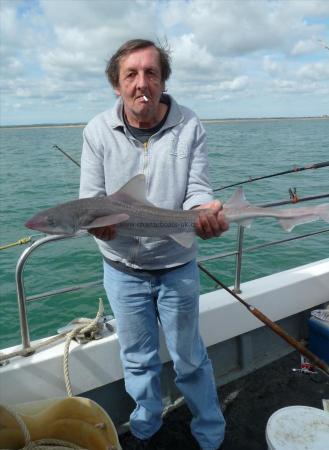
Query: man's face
<point x="139" y="76"/>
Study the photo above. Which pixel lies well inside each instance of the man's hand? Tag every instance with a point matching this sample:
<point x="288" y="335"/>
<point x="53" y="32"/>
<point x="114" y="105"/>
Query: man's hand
<point x="211" y="222"/>
<point x="104" y="233"/>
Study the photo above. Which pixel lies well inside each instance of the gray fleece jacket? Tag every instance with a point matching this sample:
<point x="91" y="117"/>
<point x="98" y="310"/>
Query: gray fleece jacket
<point x="174" y="162"/>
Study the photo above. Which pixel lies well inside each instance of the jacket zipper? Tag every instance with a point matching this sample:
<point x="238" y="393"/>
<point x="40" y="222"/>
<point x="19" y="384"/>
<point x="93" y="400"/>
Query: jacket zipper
<point x="145" y="156"/>
<point x="138" y="244"/>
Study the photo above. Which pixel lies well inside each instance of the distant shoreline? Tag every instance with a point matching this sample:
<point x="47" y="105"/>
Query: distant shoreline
<point x="230" y="119"/>
<point x="264" y="119"/>
<point x="48" y="125"/>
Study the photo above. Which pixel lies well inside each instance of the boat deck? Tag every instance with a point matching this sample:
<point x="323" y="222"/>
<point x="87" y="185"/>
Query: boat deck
<point x="248" y="404"/>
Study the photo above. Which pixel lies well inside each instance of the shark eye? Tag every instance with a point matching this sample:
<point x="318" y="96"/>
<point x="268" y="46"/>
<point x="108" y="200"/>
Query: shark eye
<point x="50" y="220"/>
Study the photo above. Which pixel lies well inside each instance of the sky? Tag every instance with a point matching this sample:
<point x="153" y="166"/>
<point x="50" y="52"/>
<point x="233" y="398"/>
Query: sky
<point x="230" y="58"/>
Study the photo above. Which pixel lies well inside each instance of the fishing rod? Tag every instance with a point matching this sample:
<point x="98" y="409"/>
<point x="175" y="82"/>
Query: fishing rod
<point x="274" y="327"/>
<point x="26" y="240"/>
<point x="250" y="179"/>
<point x="66" y="154"/>
<point x="294" y="169"/>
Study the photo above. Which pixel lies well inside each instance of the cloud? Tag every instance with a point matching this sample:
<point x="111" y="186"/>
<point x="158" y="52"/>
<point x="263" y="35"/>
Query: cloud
<point x="303" y="47"/>
<point x="271" y="66"/>
<point x="237" y="84"/>
<point x="318" y="71"/>
<point x="189" y="55"/>
<point x="232" y="52"/>
<point x="243" y="27"/>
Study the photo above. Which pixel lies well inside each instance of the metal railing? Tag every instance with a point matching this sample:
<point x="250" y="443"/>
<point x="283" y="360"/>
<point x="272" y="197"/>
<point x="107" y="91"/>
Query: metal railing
<point x="21" y="295"/>
<point x="238" y="253"/>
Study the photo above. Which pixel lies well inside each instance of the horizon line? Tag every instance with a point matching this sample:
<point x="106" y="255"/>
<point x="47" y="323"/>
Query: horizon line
<point x="77" y="124"/>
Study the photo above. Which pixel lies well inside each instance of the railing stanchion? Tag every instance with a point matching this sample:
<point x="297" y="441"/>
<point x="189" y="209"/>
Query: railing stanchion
<point x="21" y="298"/>
<point x="238" y="261"/>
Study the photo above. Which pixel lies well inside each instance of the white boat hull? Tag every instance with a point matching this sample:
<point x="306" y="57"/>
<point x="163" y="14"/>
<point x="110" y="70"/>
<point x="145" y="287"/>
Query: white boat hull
<point x="237" y="343"/>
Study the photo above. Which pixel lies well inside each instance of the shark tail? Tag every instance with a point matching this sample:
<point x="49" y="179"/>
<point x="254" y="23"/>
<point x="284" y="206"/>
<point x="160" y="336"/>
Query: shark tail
<point x="289" y="224"/>
<point x="323" y="211"/>
<point x="319" y="212"/>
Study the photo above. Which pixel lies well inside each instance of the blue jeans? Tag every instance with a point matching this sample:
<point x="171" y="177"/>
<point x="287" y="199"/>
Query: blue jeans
<point x="137" y="301"/>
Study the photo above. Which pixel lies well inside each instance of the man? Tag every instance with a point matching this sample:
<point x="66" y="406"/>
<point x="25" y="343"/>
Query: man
<point x="151" y="279"/>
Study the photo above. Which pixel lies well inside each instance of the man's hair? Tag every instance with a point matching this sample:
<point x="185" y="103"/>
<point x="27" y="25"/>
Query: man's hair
<point x="113" y="66"/>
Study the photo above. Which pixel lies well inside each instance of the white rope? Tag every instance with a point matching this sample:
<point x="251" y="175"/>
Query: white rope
<point x="41" y="444"/>
<point x="83" y="329"/>
<point x="32" y="349"/>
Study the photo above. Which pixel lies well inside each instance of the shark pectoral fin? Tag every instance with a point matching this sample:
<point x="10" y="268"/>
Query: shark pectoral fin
<point x="290" y="223"/>
<point x="105" y="221"/>
<point x="184" y="239"/>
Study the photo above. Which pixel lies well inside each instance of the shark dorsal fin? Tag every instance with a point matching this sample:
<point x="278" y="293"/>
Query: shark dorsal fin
<point x="135" y="189"/>
<point x="238" y="199"/>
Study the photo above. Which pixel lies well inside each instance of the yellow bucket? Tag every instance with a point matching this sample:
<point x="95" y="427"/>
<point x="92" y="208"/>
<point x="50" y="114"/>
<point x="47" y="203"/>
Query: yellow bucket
<point x="76" y="420"/>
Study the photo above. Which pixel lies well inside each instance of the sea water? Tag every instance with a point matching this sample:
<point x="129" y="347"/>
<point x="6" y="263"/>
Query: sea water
<point x="35" y="175"/>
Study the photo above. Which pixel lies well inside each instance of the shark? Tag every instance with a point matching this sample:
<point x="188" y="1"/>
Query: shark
<point x="237" y="209"/>
<point x="133" y="215"/>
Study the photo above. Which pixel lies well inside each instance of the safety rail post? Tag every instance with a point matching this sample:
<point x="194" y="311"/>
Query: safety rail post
<point x="21" y="297"/>
<point x="238" y="261"/>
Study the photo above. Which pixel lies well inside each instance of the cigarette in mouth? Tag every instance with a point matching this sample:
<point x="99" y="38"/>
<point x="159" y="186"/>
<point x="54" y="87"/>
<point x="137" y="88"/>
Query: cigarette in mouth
<point x="145" y="98"/>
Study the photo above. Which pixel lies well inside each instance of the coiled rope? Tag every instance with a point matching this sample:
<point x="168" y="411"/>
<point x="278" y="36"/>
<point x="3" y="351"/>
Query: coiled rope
<point x="84" y="329"/>
<point x="41" y="444"/>
<point x="55" y="444"/>
<point x="90" y="327"/>
<point x="30" y="350"/>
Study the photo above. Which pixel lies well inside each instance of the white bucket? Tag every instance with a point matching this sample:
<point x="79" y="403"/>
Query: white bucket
<point x="298" y="428"/>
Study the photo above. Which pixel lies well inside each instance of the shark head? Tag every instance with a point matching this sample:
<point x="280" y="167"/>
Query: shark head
<point x="50" y="222"/>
